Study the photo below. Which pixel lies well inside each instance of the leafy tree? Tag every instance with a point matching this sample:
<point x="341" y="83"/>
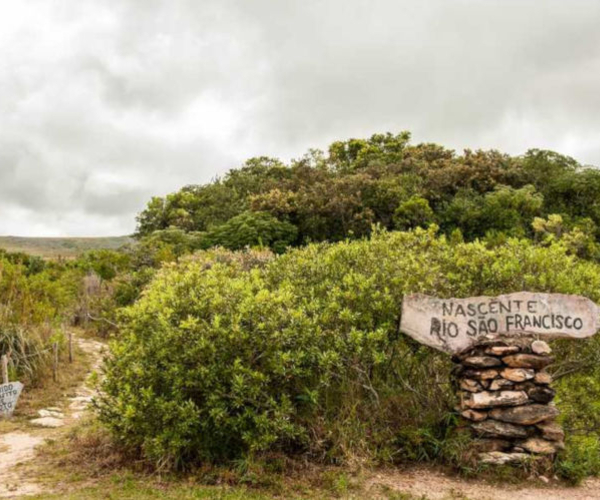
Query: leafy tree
<point x="253" y="229"/>
<point x="414" y="212"/>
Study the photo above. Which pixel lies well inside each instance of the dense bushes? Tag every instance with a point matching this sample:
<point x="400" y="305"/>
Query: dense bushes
<point x="229" y="354"/>
<point x="387" y="181"/>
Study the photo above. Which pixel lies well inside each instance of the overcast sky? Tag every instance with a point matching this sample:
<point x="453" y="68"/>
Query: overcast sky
<point x="104" y="104"/>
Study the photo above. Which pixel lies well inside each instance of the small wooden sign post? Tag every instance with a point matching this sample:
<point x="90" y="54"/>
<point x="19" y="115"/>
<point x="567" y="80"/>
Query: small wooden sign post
<point x="503" y="387"/>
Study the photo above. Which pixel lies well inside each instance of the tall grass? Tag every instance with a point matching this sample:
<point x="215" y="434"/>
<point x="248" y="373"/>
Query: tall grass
<point x="30" y="352"/>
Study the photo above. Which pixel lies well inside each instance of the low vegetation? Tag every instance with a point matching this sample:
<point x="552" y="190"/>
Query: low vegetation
<point x="55" y="248"/>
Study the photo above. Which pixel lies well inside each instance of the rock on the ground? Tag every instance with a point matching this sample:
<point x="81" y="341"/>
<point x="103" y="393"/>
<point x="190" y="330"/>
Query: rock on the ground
<point x="50" y="413"/>
<point x="500" y="458"/>
<point x="47" y="422"/>
<point x="500" y="429"/>
<point x="525" y="415"/>
<point x="533" y="361"/>
<point x="540" y="347"/>
<point x="517" y="374"/>
<point x="488" y="399"/>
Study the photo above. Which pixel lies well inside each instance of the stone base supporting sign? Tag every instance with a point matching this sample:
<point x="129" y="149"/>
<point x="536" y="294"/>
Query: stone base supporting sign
<point x="506" y="399"/>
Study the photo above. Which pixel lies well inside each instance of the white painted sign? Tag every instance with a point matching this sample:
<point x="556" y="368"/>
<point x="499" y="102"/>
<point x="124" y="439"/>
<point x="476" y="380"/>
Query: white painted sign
<point x="9" y="395"/>
<point x="453" y="325"/>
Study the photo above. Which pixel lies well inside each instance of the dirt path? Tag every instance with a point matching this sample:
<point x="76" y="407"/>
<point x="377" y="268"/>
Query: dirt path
<point x="435" y="485"/>
<point x="17" y="448"/>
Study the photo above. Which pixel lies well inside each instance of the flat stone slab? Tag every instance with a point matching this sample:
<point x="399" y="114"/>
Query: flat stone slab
<point x="454" y="325"/>
<point x="51" y="413"/>
<point x="486" y="399"/>
<point x="83" y="399"/>
<point x="481" y="361"/>
<point x="500" y="458"/>
<point x="551" y="431"/>
<point x="541" y="446"/>
<point x="52" y="422"/>
<point x="525" y="415"/>
<point x="500" y="429"/>
<point x="533" y="361"/>
<point x="517" y="374"/>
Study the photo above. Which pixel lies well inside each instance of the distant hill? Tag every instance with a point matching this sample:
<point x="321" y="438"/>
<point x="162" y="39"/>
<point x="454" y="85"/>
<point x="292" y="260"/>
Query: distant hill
<point x="61" y="247"/>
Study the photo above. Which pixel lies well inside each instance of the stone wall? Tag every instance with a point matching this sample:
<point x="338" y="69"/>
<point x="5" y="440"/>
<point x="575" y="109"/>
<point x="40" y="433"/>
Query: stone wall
<point x="506" y="399"/>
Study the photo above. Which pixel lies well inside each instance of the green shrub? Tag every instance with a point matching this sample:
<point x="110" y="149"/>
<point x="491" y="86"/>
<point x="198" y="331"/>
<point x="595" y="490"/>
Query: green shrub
<point x="580" y="459"/>
<point x="35" y="299"/>
<point x="253" y="229"/>
<point x="230" y="354"/>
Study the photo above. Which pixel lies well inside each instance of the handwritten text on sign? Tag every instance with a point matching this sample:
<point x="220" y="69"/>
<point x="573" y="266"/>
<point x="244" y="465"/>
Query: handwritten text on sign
<point x="452" y="325"/>
<point x="9" y="395"/>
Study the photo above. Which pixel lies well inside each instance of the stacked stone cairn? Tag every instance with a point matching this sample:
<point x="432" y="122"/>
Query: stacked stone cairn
<point x="506" y="400"/>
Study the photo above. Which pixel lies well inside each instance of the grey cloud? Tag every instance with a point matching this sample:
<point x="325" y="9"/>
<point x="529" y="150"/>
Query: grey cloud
<point x="104" y="104"/>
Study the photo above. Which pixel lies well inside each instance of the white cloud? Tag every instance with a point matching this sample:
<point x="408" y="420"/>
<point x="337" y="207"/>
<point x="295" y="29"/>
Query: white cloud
<point x="104" y="104"/>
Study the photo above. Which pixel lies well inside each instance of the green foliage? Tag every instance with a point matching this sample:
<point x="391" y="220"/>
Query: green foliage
<point x="234" y="354"/>
<point x="386" y="181"/>
<point x="580" y="459"/>
<point x="251" y="229"/>
<point x="504" y="210"/>
<point x="107" y="264"/>
<point x="32" y="293"/>
<point x="35" y="298"/>
<point x="414" y="212"/>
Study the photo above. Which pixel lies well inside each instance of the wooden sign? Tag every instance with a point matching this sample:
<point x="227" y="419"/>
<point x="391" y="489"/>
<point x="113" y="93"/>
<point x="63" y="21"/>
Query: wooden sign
<point x="453" y="325"/>
<point x="9" y="395"/>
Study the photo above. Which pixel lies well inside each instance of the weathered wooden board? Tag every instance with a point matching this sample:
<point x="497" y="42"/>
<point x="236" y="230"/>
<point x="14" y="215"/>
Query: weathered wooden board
<point x="9" y="395"/>
<point x="453" y="325"/>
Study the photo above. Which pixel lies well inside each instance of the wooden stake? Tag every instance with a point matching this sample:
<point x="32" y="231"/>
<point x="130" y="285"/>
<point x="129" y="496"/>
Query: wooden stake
<point x="4" y="369"/>
<point x="55" y="367"/>
<point x="70" y="347"/>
